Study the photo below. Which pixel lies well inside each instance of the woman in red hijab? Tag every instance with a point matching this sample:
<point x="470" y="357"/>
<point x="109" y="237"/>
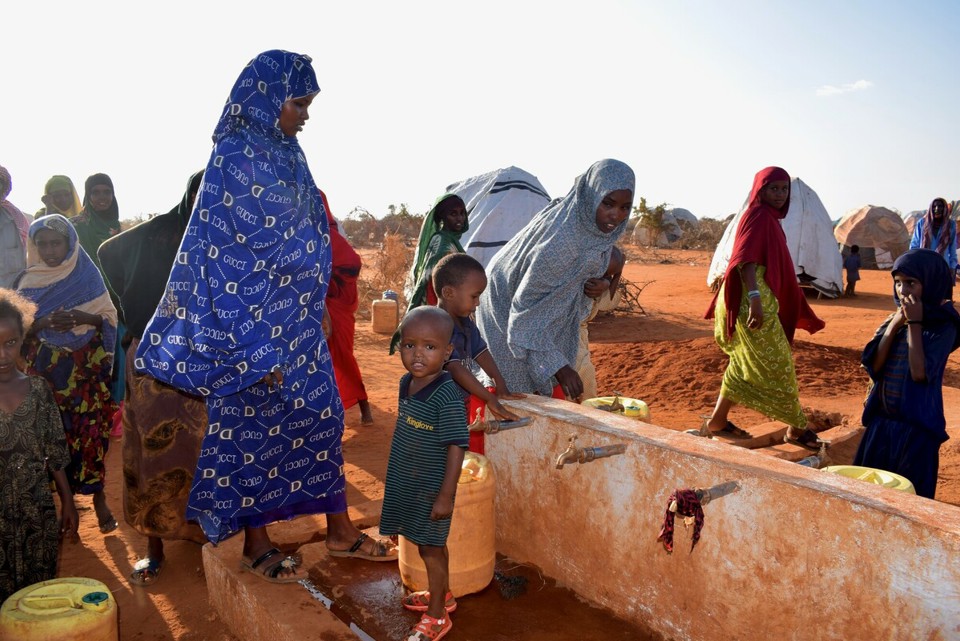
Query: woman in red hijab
<point x="342" y="303"/>
<point x="761" y="285"/>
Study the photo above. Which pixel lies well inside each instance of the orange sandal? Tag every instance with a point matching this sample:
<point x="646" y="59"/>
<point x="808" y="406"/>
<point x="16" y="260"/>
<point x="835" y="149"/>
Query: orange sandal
<point x="420" y="601"/>
<point x="430" y="629"/>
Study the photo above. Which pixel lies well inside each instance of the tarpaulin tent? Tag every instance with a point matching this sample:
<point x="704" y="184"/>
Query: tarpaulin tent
<point x="809" y="231"/>
<point x="671" y="229"/>
<point x="880" y="233"/>
<point x="499" y="204"/>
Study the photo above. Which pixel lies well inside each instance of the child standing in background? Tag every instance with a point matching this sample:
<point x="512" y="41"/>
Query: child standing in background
<point x="458" y="280"/>
<point x="605" y="297"/>
<point x="852" y="266"/>
<point x="425" y="462"/>
<point x="35" y="445"/>
<point x="906" y="360"/>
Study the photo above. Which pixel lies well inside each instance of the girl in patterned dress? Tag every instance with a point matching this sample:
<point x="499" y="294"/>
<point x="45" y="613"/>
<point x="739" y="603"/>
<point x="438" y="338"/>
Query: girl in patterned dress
<point x="905" y="360"/>
<point x="425" y="459"/>
<point x="33" y="448"/>
<point x="71" y="346"/>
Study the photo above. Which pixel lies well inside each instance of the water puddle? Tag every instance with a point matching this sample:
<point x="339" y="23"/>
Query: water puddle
<point x="520" y="604"/>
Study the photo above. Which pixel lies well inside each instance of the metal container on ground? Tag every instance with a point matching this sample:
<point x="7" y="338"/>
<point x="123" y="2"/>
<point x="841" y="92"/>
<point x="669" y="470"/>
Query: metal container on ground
<point x="64" y="609"/>
<point x="472" y="539"/>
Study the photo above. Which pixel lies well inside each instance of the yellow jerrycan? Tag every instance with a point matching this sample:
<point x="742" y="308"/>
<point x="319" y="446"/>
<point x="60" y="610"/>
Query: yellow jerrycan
<point x="472" y="539"/>
<point x="64" y="609"/>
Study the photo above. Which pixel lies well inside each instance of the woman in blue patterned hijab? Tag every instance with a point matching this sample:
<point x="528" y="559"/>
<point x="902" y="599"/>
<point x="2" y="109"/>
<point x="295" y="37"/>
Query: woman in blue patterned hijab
<point x="240" y="325"/>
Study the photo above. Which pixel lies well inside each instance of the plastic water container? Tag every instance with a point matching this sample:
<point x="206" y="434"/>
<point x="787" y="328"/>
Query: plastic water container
<point x="390" y="295"/>
<point x="64" y="609"/>
<point x="385" y="314"/>
<point x="873" y="475"/>
<point x="472" y="539"/>
<point x="632" y="407"/>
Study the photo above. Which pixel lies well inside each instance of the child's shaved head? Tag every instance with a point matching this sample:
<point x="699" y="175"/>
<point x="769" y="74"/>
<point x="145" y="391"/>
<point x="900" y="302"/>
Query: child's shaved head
<point x="427" y="315"/>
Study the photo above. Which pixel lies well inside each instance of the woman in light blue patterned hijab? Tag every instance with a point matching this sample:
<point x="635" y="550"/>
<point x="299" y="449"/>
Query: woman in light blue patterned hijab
<point x="240" y="325"/>
<point x="531" y="311"/>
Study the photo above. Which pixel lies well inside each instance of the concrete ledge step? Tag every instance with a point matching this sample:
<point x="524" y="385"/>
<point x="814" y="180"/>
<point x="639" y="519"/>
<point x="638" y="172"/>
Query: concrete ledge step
<point x="256" y="610"/>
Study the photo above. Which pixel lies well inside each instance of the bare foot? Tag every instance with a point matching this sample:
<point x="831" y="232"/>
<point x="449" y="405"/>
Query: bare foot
<point x="366" y="415"/>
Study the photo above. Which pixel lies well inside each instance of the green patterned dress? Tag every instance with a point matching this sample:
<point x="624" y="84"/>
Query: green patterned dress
<point x="32" y="441"/>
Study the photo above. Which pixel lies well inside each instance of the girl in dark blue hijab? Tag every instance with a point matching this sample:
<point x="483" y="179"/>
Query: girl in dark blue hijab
<point x="906" y="360"/>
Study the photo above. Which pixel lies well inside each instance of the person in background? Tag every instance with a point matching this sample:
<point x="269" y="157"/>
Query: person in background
<point x="158" y="461"/>
<point x="439" y="235"/>
<point x="531" y="311"/>
<point x="426" y="457"/>
<point x="70" y="344"/>
<point x="906" y="359"/>
<point x="758" y="308"/>
<point x="98" y="221"/>
<point x="343" y="300"/>
<point x="59" y="197"/>
<point x="33" y="450"/>
<point x="852" y="266"/>
<point x="935" y="230"/>
<point x="14" y="226"/>
<point x="459" y="280"/>
<point x="240" y="324"/>
<point x="606" y="297"/>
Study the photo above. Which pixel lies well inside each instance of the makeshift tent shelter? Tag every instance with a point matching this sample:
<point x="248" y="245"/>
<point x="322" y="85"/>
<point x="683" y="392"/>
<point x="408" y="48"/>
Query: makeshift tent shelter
<point x="910" y="220"/>
<point x="880" y="233"/>
<point x="809" y="233"/>
<point x="499" y="204"/>
<point x="682" y="215"/>
<point x="671" y="229"/>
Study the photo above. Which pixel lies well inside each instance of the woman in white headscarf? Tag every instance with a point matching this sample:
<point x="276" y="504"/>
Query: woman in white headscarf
<point x="541" y="284"/>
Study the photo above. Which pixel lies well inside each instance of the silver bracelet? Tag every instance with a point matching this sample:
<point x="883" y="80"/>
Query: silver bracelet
<point x="754" y="293"/>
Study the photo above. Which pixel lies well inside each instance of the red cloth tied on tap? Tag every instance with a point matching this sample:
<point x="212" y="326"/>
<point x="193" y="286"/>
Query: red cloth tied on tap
<point x="687" y="505"/>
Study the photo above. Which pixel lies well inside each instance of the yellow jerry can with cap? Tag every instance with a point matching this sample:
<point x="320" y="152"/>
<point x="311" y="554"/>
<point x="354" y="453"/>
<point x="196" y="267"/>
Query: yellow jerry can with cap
<point x="472" y="538"/>
<point x="64" y="609"/>
<point x="873" y="475"/>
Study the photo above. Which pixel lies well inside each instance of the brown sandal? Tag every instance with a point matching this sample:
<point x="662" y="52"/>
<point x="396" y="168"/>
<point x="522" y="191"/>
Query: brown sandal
<point x="808" y="439"/>
<point x="380" y="553"/>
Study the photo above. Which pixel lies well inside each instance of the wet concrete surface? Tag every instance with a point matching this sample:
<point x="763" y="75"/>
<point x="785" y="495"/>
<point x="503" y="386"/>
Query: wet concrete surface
<point x="520" y="605"/>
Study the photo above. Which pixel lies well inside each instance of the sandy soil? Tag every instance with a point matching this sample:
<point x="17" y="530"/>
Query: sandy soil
<point x="665" y="356"/>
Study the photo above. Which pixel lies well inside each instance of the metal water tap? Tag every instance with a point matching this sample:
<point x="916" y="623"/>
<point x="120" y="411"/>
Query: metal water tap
<point x="492" y="426"/>
<point x="575" y="454"/>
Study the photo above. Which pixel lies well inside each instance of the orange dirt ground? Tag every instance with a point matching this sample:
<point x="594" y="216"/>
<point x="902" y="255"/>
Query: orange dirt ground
<point x="665" y="356"/>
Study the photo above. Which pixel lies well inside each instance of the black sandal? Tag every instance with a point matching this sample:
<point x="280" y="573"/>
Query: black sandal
<point x="271" y="572"/>
<point x="732" y="431"/>
<point x="808" y="440"/>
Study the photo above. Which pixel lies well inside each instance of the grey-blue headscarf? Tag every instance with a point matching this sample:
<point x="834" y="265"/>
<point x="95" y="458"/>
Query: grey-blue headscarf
<point x="531" y="311"/>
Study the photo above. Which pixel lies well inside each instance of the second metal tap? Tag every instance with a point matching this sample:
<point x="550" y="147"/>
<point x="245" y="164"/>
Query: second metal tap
<point x="575" y="454"/>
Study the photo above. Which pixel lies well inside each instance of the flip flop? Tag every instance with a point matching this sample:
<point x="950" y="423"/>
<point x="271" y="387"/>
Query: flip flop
<point x="808" y="440"/>
<point x="146" y="571"/>
<point x="271" y="571"/>
<point x="732" y="431"/>
<point x="381" y="551"/>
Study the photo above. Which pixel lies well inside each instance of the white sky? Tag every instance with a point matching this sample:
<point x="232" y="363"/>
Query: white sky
<point x="859" y="99"/>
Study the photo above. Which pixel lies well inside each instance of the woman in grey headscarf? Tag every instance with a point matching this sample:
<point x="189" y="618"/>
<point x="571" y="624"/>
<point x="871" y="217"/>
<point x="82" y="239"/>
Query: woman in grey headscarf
<point x="541" y="283"/>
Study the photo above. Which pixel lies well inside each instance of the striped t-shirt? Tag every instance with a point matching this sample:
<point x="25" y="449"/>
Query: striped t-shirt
<point x="427" y="423"/>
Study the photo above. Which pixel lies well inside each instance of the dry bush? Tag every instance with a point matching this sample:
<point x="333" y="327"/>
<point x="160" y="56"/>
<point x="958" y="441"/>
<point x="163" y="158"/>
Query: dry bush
<point x="387" y="270"/>
<point x="705" y="235"/>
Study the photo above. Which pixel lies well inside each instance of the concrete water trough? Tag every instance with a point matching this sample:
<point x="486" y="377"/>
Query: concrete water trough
<point x="794" y="553"/>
